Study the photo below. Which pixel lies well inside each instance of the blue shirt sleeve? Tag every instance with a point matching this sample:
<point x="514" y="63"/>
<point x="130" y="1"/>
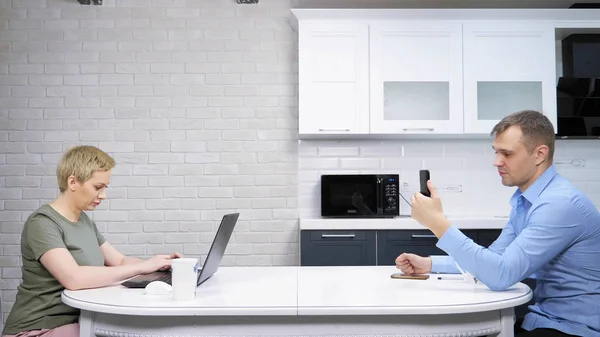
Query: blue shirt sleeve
<point x="447" y="265"/>
<point x="443" y="264"/>
<point x="552" y="226"/>
<point x="506" y="237"/>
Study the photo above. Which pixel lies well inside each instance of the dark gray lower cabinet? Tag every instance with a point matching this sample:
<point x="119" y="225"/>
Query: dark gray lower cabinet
<point x="487" y="236"/>
<point x="338" y="248"/>
<point x="391" y="243"/>
<point x="374" y="247"/>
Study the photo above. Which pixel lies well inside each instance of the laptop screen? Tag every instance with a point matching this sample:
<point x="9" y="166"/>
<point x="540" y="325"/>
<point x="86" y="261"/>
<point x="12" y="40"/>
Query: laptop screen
<point x="217" y="249"/>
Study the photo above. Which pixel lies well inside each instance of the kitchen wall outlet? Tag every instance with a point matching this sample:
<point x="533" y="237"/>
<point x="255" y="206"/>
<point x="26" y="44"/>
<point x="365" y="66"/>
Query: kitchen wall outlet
<point x="404" y="187"/>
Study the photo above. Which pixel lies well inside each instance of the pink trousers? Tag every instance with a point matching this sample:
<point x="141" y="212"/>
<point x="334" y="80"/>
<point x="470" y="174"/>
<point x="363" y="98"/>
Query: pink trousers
<point x="69" y="330"/>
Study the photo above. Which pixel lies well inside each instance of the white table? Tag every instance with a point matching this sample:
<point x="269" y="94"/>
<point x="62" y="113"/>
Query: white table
<point x="303" y="301"/>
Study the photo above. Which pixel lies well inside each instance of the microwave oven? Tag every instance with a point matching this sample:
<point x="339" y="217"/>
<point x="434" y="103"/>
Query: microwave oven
<point x="360" y="195"/>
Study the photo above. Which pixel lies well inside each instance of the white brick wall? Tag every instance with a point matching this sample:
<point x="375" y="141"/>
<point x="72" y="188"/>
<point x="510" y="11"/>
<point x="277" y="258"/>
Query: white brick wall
<point x="461" y="169"/>
<point x="196" y="100"/>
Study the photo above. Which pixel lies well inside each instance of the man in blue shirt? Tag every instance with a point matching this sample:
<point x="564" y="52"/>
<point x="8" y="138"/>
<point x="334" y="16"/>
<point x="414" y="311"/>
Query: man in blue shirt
<point x="553" y="235"/>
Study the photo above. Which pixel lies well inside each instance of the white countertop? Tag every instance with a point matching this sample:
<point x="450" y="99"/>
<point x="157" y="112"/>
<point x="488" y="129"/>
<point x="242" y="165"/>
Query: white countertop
<point x="397" y="223"/>
<point x="285" y="291"/>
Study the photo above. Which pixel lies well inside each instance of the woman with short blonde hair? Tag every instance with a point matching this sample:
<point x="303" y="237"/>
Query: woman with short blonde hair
<point x="62" y="248"/>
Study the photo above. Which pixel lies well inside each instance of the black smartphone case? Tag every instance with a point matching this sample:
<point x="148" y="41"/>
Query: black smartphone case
<point x="423" y="177"/>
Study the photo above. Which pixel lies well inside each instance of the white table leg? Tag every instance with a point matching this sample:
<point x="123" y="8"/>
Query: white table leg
<point x="86" y="324"/>
<point x="507" y="323"/>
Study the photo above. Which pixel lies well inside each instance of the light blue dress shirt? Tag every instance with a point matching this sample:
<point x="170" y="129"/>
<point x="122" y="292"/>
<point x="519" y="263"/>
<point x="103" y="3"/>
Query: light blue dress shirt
<point x="553" y="235"/>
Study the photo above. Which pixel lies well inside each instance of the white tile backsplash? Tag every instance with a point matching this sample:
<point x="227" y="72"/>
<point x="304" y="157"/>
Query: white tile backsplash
<point x="461" y="169"/>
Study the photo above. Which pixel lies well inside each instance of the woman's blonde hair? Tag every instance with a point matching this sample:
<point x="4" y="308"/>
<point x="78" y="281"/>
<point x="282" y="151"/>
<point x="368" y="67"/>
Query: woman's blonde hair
<point x="81" y="162"/>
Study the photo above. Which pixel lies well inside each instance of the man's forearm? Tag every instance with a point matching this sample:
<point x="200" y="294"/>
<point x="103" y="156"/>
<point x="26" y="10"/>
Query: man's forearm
<point x="440" y="226"/>
<point x="443" y="264"/>
<point x="496" y="271"/>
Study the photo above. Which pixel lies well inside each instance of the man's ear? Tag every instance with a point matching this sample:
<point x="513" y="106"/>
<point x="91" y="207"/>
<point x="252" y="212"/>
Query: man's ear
<point x="541" y="153"/>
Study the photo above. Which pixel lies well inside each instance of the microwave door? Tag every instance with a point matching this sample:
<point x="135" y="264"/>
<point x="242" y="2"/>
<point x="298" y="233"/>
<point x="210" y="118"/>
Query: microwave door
<point x="360" y="205"/>
<point x="355" y="195"/>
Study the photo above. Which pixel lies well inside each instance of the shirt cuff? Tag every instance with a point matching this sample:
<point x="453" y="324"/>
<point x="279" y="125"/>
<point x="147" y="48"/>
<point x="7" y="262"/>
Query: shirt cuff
<point x="443" y="264"/>
<point x="451" y="240"/>
<point x="439" y="263"/>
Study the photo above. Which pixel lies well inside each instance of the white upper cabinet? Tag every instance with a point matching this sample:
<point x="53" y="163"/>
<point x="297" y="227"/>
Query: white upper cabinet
<point x="416" y="77"/>
<point x="427" y="72"/>
<point x="333" y="77"/>
<point x="508" y="67"/>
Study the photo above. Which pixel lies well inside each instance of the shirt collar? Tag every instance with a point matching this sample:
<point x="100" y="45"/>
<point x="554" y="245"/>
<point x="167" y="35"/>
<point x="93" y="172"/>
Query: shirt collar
<point x="533" y="191"/>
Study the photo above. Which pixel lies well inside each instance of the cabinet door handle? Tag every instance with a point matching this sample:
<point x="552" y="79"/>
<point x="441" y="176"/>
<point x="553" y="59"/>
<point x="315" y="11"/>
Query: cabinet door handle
<point x="344" y="130"/>
<point x="347" y="236"/>
<point x="418" y="129"/>
<point x="423" y="236"/>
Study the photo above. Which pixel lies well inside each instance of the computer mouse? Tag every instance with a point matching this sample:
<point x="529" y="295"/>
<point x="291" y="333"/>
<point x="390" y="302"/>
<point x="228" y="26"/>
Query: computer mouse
<point x="158" y="288"/>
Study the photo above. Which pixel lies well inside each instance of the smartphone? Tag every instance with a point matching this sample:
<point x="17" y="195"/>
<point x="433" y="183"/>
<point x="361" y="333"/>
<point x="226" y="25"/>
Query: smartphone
<point x="409" y="277"/>
<point x="424" y="177"/>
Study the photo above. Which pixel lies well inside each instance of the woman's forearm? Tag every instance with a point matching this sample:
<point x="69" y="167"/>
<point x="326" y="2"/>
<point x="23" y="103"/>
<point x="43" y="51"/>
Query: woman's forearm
<point x="87" y="277"/>
<point x="128" y="260"/>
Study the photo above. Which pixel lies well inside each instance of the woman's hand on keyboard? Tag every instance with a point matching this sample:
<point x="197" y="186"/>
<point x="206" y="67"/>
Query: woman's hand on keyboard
<point x="155" y="263"/>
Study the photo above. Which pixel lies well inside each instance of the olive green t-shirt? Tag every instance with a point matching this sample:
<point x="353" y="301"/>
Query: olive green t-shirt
<point x="38" y="304"/>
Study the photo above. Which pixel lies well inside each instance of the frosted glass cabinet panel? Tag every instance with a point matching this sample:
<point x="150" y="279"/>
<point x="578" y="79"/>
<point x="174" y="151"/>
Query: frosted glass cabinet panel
<point x="495" y="100"/>
<point x="416" y="77"/>
<point x="416" y="101"/>
<point x="508" y="67"/>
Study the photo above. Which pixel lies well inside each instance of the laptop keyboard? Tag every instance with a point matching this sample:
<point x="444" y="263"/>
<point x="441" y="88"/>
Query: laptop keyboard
<point x="166" y="278"/>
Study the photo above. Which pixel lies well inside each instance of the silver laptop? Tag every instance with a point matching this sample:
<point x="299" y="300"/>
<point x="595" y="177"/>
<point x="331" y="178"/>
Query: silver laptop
<point x="213" y="259"/>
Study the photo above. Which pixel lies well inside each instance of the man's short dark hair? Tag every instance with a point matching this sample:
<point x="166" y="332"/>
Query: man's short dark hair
<point x="535" y="126"/>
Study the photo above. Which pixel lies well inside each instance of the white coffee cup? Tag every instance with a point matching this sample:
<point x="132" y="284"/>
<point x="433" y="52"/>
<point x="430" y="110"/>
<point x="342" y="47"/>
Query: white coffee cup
<point x="184" y="276"/>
